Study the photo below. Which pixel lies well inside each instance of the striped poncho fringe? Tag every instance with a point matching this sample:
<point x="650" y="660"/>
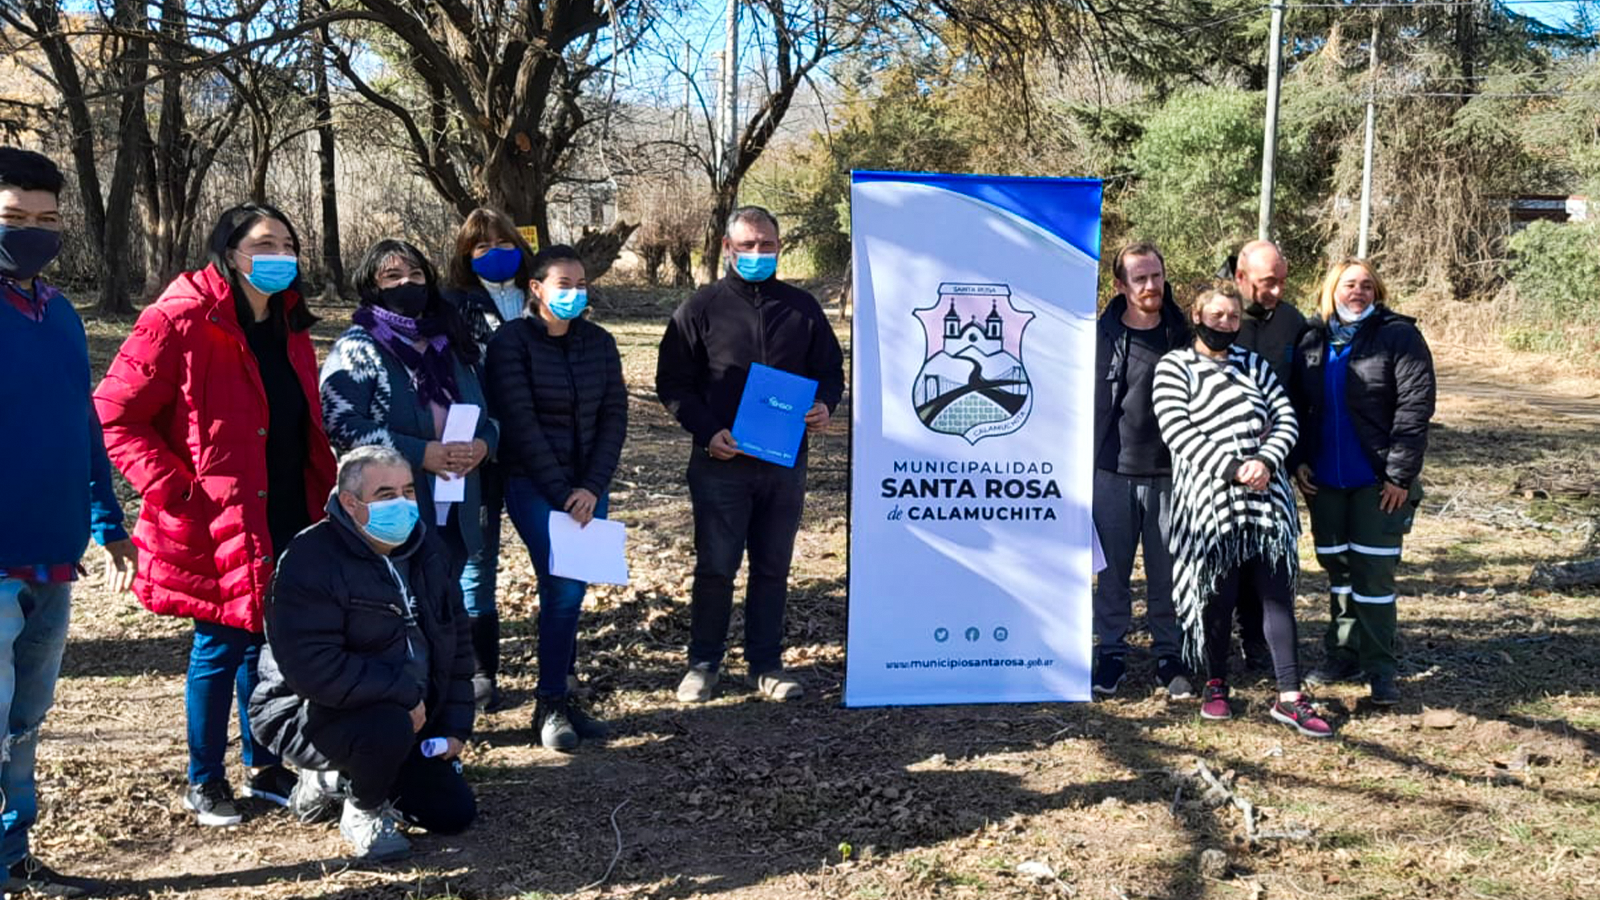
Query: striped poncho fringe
<point x="1215" y="415"/>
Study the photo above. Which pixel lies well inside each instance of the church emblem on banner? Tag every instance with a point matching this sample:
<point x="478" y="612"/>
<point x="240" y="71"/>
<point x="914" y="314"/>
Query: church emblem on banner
<point x="972" y="382"/>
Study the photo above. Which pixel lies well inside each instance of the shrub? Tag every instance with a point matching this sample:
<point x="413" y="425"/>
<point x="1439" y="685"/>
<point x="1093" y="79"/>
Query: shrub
<point x="1556" y="270"/>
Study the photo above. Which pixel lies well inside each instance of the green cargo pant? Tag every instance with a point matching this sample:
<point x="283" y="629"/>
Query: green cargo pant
<point x="1359" y="546"/>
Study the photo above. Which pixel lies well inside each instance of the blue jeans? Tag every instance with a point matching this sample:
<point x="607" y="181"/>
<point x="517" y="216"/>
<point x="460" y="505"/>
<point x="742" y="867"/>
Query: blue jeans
<point x="560" y="599"/>
<point x="742" y="504"/>
<point x="222" y="666"/>
<point x="33" y="632"/>
<point x="479" y="578"/>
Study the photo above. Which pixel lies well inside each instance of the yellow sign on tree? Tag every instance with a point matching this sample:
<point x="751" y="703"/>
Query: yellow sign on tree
<point x="529" y="234"/>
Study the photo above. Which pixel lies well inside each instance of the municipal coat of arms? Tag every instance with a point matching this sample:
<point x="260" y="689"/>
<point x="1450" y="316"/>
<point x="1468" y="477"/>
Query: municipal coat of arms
<point x="972" y="382"/>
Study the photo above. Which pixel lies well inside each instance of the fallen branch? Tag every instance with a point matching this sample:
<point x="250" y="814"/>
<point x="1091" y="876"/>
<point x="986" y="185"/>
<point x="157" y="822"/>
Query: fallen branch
<point x="1246" y="808"/>
<point x="1580" y="573"/>
<point x="614" y="856"/>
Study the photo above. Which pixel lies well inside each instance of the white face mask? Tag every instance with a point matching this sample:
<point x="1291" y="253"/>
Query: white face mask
<point x="1350" y="318"/>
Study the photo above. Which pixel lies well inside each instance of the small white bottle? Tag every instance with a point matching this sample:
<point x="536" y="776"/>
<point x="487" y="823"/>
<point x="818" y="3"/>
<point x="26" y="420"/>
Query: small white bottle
<point x="435" y="747"/>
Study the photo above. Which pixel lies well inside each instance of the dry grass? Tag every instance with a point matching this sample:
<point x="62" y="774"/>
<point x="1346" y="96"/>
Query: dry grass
<point x="1498" y="798"/>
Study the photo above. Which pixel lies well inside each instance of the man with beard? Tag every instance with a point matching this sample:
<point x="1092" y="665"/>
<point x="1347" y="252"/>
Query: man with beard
<point x="1133" y="470"/>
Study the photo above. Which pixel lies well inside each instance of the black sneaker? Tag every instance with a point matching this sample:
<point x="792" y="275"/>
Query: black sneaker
<point x="1108" y="672"/>
<point x="1171" y="674"/>
<point x="274" y="784"/>
<point x="212" y="804"/>
<point x="553" y="724"/>
<point x="588" y="727"/>
<point x="30" y="876"/>
<point x="1335" y="670"/>
<point x="1384" y="690"/>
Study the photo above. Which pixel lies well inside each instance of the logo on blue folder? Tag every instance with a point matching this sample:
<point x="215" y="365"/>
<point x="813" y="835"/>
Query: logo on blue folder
<point x="972" y="382"/>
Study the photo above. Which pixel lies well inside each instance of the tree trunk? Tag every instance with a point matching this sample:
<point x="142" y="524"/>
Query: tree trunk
<point x="46" y="17"/>
<point x="710" y="268"/>
<point x="327" y="173"/>
<point x="116" y="253"/>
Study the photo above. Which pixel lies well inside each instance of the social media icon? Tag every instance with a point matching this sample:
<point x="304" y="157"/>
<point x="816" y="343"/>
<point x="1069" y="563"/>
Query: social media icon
<point x="941" y="634"/>
<point x="973" y="634"/>
<point x="1000" y="633"/>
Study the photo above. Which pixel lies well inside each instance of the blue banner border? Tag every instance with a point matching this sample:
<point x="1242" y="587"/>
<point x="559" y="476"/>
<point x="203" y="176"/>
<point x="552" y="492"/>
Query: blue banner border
<point x="1046" y="202"/>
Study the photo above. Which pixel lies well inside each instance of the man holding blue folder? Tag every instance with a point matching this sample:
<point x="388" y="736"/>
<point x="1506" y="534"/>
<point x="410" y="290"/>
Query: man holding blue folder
<point x="747" y="318"/>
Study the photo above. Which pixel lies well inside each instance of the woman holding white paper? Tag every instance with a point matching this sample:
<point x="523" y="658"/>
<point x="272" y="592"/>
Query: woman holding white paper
<point x="555" y="381"/>
<point x="404" y="376"/>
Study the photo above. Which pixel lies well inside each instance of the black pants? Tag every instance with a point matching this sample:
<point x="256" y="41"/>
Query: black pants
<point x="1271" y="583"/>
<point x="378" y="752"/>
<point x="742" y="503"/>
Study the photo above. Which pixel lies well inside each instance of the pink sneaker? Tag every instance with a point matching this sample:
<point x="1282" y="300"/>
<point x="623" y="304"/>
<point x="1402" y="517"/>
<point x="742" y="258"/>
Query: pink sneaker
<point x="1214" y="700"/>
<point x="1299" y="715"/>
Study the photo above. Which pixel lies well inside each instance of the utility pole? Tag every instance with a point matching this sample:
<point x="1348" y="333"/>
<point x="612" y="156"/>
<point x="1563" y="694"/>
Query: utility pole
<point x="1269" y="141"/>
<point x="728" y="117"/>
<point x="1366" y="149"/>
<point x="688" y="91"/>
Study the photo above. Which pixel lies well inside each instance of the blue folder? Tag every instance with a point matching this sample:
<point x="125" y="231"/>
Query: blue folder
<point x="771" y="421"/>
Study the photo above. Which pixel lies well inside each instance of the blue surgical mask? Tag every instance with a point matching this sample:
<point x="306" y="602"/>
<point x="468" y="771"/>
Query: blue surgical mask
<point x="391" y="521"/>
<point x="24" y="251"/>
<point x="567" y="303"/>
<point x="1350" y="318"/>
<point x="271" y="273"/>
<point x="499" y="264"/>
<point x="755" y="266"/>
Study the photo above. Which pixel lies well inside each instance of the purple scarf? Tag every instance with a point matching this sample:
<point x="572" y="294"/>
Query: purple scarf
<point x="433" y="368"/>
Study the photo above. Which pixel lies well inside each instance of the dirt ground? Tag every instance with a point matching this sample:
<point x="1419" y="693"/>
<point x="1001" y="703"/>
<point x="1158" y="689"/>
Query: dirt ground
<point x="1483" y="783"/>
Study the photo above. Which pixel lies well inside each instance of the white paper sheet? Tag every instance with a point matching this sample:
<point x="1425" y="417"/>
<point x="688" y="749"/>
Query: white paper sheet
<point x="596" y="553"/>
<point x="460" y="426"/>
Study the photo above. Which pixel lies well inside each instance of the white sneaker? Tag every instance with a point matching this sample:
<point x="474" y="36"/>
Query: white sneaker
<point x="698" y="684"/>
<point x="316" y="795"/>
<point x="374" y="834"/>
<point x="777" y="685"/>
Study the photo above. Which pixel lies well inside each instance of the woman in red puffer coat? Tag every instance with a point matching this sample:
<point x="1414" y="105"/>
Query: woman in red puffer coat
<point x="212" y="413"/>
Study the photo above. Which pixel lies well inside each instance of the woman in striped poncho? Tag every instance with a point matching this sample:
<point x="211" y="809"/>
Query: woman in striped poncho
<point x="1230" y="427"/>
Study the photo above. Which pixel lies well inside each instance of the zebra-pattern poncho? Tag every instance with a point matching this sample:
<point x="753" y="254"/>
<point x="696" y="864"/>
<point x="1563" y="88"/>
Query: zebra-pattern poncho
<point x="1215" y="415"/>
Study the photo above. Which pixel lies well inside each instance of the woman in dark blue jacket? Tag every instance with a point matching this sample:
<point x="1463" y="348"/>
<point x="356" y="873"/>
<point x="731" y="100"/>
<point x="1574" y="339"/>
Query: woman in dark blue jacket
<point x="1364" y="392"/>
<point x="555" y="381"/>
<point x="486" y="280"/>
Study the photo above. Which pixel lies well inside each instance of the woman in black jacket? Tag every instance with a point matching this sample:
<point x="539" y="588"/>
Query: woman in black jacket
<point x="486" y="279"/>
<point x="555" y="381"/>
<point x="1364" y="392"/>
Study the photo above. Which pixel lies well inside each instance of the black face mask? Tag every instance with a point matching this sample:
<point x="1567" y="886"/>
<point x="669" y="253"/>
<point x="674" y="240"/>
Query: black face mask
<point x="24" y="252"/>
<point x="1256" y="310"/>
<point x="408" y="299"/>
<point x="1215" y="340"/>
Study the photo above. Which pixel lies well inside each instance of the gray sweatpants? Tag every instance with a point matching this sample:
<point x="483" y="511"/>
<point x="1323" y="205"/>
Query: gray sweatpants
<point x="1129" y="512"/>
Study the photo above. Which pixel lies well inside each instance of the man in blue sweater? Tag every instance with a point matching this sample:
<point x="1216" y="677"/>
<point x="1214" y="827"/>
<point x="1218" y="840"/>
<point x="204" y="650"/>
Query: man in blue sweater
<point x="55" y="483"/>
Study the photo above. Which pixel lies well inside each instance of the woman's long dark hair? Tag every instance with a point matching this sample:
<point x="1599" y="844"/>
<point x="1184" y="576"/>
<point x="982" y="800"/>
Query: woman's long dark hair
<point x="365" y="281"/>
<point x="230" y="229"/>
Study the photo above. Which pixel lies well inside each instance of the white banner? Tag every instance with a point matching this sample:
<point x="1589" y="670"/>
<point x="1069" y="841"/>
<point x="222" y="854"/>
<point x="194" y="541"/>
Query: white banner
<point x="972" y="420"/>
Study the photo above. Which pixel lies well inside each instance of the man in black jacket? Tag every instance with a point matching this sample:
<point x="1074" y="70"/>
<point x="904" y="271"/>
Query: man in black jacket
<point x="748" y="316"/>
<point x="1269" y="328"/>
<point x="366" y="677"/>
<point x="1133" y="470"/>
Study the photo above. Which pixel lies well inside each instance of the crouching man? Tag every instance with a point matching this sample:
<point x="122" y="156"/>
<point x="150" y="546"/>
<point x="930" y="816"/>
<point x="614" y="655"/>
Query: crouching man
<point x="367" y="671"/>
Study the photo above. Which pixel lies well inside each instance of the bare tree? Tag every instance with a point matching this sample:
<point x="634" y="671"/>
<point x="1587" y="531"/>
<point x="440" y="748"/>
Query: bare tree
<point x="495" y="112"/>
<point x="179" y="156"/>
<point x="108" y="208"/>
